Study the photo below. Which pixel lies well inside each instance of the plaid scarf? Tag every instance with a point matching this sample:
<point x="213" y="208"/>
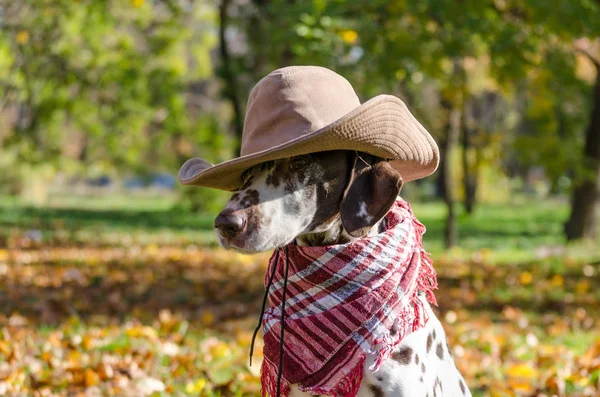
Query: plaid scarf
<point x="341" y="303"/>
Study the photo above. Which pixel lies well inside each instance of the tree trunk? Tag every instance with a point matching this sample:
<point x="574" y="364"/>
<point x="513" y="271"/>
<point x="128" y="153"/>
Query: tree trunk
<point x="230" y="84"/>
<point x="469" y="166"/>
<point x="583" y="220"/>
<point x="449" y="145"/>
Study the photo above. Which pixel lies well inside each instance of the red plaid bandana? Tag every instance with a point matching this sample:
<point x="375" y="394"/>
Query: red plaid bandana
<point x="344" y="302"/>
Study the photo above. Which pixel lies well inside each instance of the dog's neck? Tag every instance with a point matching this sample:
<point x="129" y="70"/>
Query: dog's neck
<point x="333" y="233"/>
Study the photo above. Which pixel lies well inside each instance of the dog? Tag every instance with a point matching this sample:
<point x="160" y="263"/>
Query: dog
<point x="328" y="198"/>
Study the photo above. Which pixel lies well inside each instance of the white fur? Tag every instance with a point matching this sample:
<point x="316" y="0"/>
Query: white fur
<point x="279" y="225"/>
<point x="363" y="213"/>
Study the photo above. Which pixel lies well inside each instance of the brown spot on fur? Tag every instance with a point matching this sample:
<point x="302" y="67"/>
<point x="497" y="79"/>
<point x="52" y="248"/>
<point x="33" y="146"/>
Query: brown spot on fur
<point x="429" y="342"/>
<point x="434" y="335"/>
<point x="266" y="165"/>
<point x="254" y="217"/>
<point x="247" y="178"/>
<point x="436" y="385"/>
<point x="290" y="187"/>
<point x="377" y="391"/>
<point x="440" y="351"/>
<point x="251" y="198"/>
<point x="417" y="359"/>
<point x="462" y="386"/>
<point x="423" y="367"/>
<point x="275" y="177"/>
<point x="403" y="355"/>
<point x="448" y="347"/>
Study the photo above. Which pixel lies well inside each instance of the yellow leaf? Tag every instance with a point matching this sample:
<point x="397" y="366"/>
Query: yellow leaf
<point x="208" y="318"/>
<point x="152" y="249"/>
<point x="526" y="278"/>
<point x="22" y="37"/>
<point x="521" y="386"/>
<point x="91" y="378"/>
<point x="87" y="342"/>
<point x="195" y="387"/>
<point x="582" y="287"/>
<point x="558" y="280"/>
<point x="142" y="331"/>
<point x="219" y="349"/>
<point x="46" y="356"/>
<point x="137" y="3"/>
<point x="522" y="371"/>
<point x="5" y="348"/>
<point x="349" y="36"/>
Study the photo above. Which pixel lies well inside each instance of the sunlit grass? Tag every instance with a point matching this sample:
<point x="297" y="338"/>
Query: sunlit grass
<point x="524" y="230"/>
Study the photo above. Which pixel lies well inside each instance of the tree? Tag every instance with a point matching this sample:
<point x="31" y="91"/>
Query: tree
<point x="583" y="221"/>
<point x="565" y="24"/>
<point x="106" y="87"/>
<point x="229" y="76"/>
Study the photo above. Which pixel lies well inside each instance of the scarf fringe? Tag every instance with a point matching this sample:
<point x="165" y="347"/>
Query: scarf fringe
<point x="268" y="381"/>
<point x="427" y="280"/>
<point x="387" y="345"/>
<point x="348" y="387"/>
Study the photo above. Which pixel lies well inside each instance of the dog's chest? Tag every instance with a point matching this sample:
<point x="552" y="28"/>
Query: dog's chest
<point x="421" y="366"/>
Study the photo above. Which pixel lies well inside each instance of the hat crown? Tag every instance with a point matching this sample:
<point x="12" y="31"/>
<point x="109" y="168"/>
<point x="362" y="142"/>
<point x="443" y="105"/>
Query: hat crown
<point x="294" y="101"/>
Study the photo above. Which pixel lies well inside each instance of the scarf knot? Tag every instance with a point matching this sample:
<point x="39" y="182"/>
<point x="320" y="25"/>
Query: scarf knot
<point x="342" y="303"/>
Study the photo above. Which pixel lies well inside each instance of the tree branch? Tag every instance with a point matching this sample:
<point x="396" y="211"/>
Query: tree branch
<point x="228" y="75"/>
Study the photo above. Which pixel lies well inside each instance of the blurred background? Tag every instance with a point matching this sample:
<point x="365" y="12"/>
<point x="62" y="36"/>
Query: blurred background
<point x="110" y="279"/>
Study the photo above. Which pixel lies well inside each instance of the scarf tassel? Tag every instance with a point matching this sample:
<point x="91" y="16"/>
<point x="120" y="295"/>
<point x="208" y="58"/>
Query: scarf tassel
<point x="268" y="381"/>
<point x="348" y="387"/>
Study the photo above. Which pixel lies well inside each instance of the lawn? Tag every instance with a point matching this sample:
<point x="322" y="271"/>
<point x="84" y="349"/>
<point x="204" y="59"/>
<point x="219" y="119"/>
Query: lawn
<point x="128" y="297"/>
<point x="520" y="231"/>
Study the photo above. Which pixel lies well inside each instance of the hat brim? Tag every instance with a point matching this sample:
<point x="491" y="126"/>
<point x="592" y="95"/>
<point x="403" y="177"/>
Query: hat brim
<point x="383" y="127"/>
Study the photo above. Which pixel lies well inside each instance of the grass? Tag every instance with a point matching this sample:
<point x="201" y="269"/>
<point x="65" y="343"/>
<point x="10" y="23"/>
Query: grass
<point x="515" y="232"/>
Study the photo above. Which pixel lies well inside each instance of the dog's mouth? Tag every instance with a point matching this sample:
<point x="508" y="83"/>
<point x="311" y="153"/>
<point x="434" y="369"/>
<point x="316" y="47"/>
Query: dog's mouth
<point x="242" y="243"/>
<point x="251" y="242"/>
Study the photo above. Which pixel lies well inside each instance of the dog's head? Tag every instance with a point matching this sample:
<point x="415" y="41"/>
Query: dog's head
<point x="316" y="199"/>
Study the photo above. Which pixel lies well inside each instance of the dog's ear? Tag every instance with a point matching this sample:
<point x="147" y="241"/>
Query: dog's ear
<point x="370" y="195"/>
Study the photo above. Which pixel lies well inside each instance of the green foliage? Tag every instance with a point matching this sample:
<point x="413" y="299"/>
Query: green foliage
<point x="521" y="229"/>
<point x="103" y="83"/>
<point x="96" y="87"/>
<point x="522" y="51"/>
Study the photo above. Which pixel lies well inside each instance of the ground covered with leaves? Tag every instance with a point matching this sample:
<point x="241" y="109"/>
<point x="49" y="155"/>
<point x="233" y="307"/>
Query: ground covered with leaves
<point x="137" y="317"/>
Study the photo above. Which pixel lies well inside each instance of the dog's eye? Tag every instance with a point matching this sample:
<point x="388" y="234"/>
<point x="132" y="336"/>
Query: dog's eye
<point x="245" y="176"/>
<point x="298" y="162"/>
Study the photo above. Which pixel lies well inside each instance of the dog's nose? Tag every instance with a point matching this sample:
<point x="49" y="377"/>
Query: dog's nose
<point x="230" y="224"/>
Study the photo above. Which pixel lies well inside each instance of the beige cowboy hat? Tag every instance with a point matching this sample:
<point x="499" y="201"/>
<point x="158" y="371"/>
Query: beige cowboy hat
<point x="306" y="109"/>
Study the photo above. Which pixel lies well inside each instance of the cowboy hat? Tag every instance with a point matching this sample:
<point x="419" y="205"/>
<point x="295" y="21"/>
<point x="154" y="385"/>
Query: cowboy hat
<point x="305" y="109"/>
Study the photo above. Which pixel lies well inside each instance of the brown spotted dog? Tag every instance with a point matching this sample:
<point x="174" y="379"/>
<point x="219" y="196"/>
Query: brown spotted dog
<point x="313" y="200"/>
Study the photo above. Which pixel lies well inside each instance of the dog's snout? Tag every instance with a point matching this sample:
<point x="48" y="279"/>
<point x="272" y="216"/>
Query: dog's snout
<point x="230" y="224"/>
